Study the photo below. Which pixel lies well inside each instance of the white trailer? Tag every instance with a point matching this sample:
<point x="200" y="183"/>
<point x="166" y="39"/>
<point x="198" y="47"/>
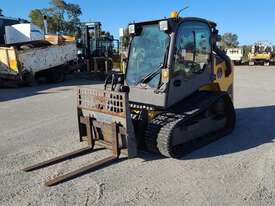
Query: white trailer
<point x="235" y="54"/>
<point x="28" y="62"/>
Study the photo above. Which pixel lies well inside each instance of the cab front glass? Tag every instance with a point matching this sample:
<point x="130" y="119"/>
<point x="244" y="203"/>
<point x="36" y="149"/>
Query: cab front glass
<point x="147" y="53"/>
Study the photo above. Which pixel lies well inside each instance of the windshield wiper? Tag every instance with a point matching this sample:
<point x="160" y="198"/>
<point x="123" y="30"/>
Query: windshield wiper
<point x="150" y="76"/>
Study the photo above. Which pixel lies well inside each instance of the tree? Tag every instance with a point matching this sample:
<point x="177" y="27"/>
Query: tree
<point x="125" y="39"/>
<point x="62" y="17"/>
<point x="246" y="51"/>
<point x="273" y="53"/>
<point x="229" y="40"/>
<point x="36" y="16"/>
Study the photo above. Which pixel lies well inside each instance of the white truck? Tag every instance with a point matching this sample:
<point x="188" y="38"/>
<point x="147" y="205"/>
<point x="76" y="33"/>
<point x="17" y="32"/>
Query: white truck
<point x="29" y="61"/>
<point x="235" y="54"/>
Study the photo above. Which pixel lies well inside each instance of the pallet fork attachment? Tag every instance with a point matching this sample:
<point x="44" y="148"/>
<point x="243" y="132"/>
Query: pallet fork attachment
<point x="104" y="120"/>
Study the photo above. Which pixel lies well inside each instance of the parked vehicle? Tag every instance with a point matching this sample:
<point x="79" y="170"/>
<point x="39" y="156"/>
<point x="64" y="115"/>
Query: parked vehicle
<point x="28" y="62"/>
<point x="261" y="52"/>
<point x="98" y="49"/>
<point x="235" y="54"/>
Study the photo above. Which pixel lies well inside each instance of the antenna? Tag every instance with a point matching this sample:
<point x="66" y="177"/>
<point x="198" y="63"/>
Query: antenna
<point x="182" y="10"/>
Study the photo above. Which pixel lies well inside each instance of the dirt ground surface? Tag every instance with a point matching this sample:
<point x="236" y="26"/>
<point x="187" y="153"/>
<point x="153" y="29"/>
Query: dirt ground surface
<point x="40" y="122"/>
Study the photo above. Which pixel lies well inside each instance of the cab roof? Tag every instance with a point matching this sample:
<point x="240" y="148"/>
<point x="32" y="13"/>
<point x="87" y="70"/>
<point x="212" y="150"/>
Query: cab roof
<point x="180" y="20"/>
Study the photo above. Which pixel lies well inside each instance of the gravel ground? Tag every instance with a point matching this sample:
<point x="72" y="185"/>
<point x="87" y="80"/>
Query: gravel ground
<point x="40" y="122"/>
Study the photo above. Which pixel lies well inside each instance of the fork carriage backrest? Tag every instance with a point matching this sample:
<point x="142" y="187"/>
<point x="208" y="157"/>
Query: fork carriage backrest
<point x="109" y="114"/>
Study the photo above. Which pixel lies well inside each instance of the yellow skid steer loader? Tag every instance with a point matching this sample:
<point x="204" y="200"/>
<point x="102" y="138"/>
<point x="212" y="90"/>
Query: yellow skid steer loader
<point x="175" y="96"/>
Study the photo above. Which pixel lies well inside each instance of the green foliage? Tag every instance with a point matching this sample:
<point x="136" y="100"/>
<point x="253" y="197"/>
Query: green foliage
<point x="59" y="4"/>
<point x="273" y="53"/>
<point x="229" y="40"/>
<point x="246" y="50"/>
<point x="62" y="17"/>
<point x="125" y="40"/>
<point x="36" y="16"/>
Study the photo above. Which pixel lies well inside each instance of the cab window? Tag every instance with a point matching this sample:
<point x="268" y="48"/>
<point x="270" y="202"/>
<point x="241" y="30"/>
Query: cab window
<point x="193" y="48"/>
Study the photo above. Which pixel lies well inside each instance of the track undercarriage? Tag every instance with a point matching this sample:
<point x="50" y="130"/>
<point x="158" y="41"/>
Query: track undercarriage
<point x="202" y="118"/>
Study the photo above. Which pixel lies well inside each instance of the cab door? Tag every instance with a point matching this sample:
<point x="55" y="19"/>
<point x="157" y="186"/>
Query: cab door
<point x="192" y="60"/>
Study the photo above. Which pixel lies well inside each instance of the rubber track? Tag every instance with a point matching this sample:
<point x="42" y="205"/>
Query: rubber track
<point x="159" y="131"/>
<point x="153" y="129"/>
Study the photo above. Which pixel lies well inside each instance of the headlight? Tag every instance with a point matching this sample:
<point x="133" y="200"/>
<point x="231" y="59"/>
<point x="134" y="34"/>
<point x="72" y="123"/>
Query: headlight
<point x="132" y="29"/>
<point x="165" y="75"/>
<point x="163" y="25"/>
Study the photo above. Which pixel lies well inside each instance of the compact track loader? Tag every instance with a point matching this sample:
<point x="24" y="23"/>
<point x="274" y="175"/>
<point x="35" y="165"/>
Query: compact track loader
<point x="176" y="95"/>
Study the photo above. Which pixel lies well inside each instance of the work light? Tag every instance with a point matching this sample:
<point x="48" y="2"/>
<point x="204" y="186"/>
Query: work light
<point x="163" y="25"/>
<point x="132" y="29"/>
